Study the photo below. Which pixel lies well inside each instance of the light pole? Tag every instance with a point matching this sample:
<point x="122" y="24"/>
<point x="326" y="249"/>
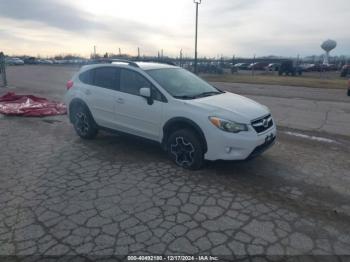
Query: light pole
<point x="197" y="2"/>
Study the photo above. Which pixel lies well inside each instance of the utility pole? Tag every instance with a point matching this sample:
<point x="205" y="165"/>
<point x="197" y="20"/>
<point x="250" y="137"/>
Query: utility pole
<point x="94" y="52"/>
<point x="120" y="52"/>
<point x="253" y="65"/>
<point x="197" y="2"/>
<point x="298" y="59"/>
<point x="3" y="69"/>
<point x="233" y="65"/>
<point x="181" y="58"/>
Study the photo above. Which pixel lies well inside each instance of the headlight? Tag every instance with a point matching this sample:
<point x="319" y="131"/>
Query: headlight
<point x="228" y="126"/>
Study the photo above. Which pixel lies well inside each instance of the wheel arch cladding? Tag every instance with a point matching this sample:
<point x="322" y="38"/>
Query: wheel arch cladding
<point x="179" y="123"/>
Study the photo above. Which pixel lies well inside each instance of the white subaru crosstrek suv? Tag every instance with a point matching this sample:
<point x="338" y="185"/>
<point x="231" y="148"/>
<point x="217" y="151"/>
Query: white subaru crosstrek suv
<point x="192" y="120"/>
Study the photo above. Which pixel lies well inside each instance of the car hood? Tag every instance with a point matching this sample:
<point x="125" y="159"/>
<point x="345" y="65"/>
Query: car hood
<point x="232" y="106"/>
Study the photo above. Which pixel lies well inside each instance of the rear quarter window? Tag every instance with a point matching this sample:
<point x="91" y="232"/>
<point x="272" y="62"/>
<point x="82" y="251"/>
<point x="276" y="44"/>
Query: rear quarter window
<point x="86" y="77"/>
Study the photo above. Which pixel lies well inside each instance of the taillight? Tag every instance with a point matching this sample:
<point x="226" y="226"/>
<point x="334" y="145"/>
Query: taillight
<point x="69" y="84"/>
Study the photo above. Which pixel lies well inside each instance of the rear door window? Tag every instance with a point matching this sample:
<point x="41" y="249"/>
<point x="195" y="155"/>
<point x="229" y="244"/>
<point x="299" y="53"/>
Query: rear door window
<point x="87" y="77"/>
<point x="106" y="77"/>
<point x="131" y="82"/>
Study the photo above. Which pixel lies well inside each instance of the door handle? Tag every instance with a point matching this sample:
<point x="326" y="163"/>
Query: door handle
<point x="120" y="100"/>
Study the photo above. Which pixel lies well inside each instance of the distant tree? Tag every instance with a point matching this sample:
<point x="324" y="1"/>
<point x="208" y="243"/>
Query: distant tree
<point x="58" y="57"/>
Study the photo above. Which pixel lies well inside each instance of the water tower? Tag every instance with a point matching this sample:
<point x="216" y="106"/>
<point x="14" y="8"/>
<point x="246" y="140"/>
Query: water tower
<point x="328" y="46"/>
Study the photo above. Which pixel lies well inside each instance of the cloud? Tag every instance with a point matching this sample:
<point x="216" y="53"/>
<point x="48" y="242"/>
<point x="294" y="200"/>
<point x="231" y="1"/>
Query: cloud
<point x="50" y="12"/>
<point x="232" y="7"/>
<point x="241" y="27"/>
<point x="28" y="15"/>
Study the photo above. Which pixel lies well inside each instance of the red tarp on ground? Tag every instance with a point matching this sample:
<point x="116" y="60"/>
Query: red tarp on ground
<point x="29" y="105"/>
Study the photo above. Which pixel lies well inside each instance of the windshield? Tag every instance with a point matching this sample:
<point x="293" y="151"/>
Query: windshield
<point x="181" y="83"/>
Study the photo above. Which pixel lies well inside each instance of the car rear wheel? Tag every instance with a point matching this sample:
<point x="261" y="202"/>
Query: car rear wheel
<point x="83" y="122"/>
<point x="185" y="149"/>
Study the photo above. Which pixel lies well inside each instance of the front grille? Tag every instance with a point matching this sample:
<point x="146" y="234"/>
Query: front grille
<point x="262" y="124"/>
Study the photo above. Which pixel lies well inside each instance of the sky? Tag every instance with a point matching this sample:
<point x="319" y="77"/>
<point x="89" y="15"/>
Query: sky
<point x="226" y="27"/>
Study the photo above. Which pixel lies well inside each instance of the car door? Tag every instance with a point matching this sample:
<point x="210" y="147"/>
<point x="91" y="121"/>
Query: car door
<point x="133" y="114"/>
<point x="101" y="95"/>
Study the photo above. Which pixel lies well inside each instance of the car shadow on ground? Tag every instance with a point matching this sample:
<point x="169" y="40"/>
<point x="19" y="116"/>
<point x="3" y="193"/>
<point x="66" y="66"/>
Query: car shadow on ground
<point x="135" y="149"/>
<point x="261" y="177"/>
<point x="126" y="147"/>
<point x="129" y="149"/>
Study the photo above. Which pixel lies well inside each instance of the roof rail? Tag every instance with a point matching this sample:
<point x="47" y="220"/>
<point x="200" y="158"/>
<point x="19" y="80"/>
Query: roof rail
<point x="167" y="62"/>
<point x="112" y="60"/>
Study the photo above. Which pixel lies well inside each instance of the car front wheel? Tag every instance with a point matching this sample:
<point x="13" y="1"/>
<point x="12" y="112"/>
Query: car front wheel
<point x="185" y="149"/>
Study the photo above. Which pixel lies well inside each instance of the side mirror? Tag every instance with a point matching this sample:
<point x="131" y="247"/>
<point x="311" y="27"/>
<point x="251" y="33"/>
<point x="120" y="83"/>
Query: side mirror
<point x="146" y="93"/>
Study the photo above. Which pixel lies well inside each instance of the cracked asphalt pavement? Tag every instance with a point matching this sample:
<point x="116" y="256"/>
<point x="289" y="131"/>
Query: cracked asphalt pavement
<point x="117" y="195"/>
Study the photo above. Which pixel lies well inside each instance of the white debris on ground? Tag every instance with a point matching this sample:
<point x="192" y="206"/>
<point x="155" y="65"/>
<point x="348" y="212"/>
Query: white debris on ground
<point x="317" y="138"/>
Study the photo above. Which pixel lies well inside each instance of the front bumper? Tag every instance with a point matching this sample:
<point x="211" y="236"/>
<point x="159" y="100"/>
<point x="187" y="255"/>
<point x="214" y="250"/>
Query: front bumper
<point x="241" y="146"/>
<point x="262" y="148"/>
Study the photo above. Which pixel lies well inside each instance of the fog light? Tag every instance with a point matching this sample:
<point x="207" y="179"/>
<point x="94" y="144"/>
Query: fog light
<point x="228" y="149"/>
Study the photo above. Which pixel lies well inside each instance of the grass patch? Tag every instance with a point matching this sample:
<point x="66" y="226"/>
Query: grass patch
<point x="305" y="81"/>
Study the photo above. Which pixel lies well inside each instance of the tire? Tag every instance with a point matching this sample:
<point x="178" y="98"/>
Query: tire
<point x="343" y="73"/>
<point x="349" y="92"/>
<point x="83" y="122"/>
<point x="185" y="149"/>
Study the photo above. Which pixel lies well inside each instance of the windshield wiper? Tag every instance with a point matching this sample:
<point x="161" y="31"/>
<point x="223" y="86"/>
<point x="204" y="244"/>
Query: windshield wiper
<point x="185" y="97"/>
<point x="210" y="93"/>
<point x="204" y="94"/>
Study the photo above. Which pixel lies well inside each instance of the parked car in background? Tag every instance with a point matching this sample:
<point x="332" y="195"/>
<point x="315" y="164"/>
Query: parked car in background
<point x="349" y="87"/>
<point x="190" y="118"/>
<point x="14" y="61"/>
<point x="273" y="67"/>
<point x="306" y="67"/>
<point x="210" y="68"/>
<point x="30" y="61"/>
<point x="289" y="68"/>
<point x="345" y="71"/>
<point x="242" y="66"/>
<point x="326" y="67"/>
<point x="332" y="67"/>
<point x="257" y="66"/>
<point x="311" y="67"/>
<point x="45" y="62"/>
<point x="319" y="67"/>
<point x="61" y="62"/>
